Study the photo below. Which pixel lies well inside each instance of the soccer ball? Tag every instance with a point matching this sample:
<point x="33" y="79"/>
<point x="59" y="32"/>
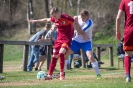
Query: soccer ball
<point x="41" y="75"/>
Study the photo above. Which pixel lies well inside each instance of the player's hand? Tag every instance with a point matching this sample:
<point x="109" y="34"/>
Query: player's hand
<point x="39" y="40"/>
<point x="85" y="36"/>
<point x="118" y="35"/>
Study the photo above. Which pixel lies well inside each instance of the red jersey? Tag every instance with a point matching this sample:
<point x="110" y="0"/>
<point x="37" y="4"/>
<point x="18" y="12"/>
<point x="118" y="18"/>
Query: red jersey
<point x="65" y="28"/>
<point x="127" y="7"/>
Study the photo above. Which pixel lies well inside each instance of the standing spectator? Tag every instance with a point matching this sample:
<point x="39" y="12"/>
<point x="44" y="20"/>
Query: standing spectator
<point x="126" y="7"/>
<point x="34" y="54"/>
<point x="85" y="43"/>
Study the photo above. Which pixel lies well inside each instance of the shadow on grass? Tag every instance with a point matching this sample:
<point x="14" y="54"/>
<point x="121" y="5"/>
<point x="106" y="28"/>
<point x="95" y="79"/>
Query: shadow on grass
<point x="109" y="68"/>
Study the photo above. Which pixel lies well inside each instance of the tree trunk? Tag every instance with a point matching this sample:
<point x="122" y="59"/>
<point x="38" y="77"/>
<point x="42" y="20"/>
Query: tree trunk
<point x="78" y="6"/>
<point x="70" y="2"/>
<point x="51" y="4"/>
<point x="65" y="9"/>
<point x="30" y="15"/>
<point x="46" y="8"/>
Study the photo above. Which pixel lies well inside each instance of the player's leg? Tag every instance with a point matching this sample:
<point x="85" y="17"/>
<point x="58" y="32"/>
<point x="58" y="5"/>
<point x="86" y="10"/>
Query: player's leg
<point x="127" y="65"/>
<point x="75" y="46"/>
<point x="52" y="66"/>
<point x="54" y="59"/>
<point x="87" y="47"/>
<point x="69" y="52"/>
<point x="63" y="62"/>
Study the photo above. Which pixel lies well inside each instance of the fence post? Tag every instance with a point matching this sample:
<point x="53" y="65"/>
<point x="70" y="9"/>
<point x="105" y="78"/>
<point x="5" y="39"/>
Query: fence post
<point x="98" y="53"/>
<point x="111" y="56"/>
<point x="83" y="58"/>
<point x="1" y="57"/>
<point x="48" y="55"/>
<point x="25" y="57"/>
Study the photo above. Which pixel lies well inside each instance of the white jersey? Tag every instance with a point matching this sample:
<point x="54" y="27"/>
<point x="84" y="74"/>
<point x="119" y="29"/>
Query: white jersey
<point x="87" y="28"/>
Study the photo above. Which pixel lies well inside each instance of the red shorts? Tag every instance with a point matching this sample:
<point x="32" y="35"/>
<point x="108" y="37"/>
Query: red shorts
<point x="59" y="44"/>
<point x="128" y="40"/>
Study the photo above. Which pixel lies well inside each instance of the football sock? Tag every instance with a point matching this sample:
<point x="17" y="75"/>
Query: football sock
<point x="65" y="65"/>
<point x="127" y="63"/>
<point x="95" y="67"/>
<point x="62" y="62"/>
<point x="52" y="65"/>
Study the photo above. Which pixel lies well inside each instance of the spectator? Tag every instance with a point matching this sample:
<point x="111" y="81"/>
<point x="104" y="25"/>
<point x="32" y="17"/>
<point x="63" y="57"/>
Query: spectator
<point x="34" y="54"/>
<point x="120" y="51"/>
<point x="42" y="55"/>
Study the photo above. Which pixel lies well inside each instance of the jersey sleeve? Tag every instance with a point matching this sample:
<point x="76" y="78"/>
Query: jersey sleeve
<point x="122" y="5"/>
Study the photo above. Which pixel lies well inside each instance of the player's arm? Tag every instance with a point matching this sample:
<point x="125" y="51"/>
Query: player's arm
<point x="40" y="20"/>
<point x="79" y="30"/>
<point x="118" y="22"/>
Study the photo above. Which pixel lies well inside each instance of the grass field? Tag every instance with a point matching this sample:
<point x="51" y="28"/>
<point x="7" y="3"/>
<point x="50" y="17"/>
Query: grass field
<point x="112" y="77"/>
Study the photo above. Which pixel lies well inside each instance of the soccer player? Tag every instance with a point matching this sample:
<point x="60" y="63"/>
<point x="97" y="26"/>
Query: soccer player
<point x="64" y="24"/>
<point x="126" y="7"/>
<point x="79" y="42"/>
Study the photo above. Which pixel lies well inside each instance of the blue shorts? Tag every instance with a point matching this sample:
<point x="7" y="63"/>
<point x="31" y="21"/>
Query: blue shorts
<point x="76" y="46"/>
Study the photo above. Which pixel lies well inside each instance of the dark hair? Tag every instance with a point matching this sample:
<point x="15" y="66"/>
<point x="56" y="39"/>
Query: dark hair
<point x="54" y="10"/>
<point x="48" y="25"/>
<point x="84" y="12"/>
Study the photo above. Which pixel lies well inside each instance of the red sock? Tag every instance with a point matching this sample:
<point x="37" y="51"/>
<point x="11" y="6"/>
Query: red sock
<point x="62" y="61"/>
<point x="52" y="66"/>
<point x="127" y="63"/>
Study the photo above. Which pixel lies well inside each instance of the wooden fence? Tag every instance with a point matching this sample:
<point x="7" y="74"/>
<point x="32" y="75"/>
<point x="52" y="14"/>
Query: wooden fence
<point x="49" y="45"/>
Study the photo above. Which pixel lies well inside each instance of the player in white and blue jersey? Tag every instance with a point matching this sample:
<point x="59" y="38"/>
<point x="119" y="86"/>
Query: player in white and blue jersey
<point x="83" y="40"/>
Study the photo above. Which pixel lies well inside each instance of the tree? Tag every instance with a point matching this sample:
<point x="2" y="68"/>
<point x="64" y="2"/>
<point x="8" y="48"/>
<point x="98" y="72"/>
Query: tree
<point x="30" y="15"/>
<point x="46" y="8"/>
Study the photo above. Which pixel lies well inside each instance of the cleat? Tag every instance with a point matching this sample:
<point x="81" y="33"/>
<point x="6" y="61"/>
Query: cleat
<point x="2" y="77"/>
<point x="62" y="76"/>
<point x="48" y="78"/>
<point x="128" y="79"/>
<point x="99" y="76"/>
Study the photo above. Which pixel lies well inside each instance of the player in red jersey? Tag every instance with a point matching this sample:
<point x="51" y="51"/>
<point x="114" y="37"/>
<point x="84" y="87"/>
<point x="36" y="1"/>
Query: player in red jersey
<point x="126" y="6"/>
<point x="65" y="28"/>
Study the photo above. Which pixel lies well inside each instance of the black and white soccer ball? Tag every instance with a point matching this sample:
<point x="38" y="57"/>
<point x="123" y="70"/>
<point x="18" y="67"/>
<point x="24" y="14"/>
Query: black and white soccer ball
<point x="41" y="75"/>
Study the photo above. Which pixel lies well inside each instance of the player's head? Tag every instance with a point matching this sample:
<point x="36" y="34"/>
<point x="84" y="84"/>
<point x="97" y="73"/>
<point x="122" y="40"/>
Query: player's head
<point x="84" y="15"/>
<point x="54" y="12"/>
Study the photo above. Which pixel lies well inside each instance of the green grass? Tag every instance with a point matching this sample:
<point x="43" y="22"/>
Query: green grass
<point x="76" y="78"/>
<point x="13" y="52"/>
